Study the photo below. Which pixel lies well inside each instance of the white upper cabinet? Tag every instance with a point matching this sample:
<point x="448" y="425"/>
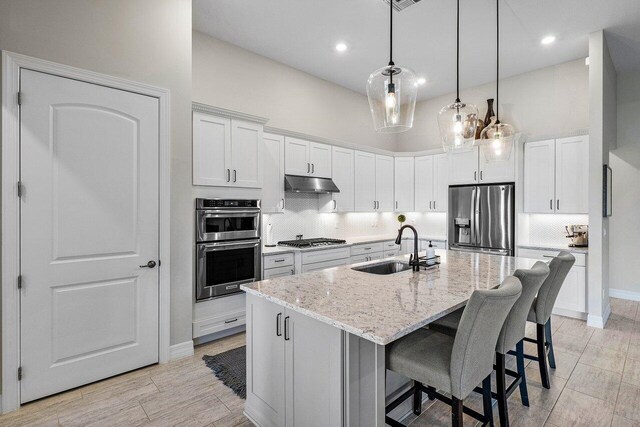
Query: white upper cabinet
<point x="496" y="171"/>
<point x="365" y="181"/>
<point x="556" y="176"/>
<point x="440" y="183"/>
<point x="464" y="167"/>
<point x="471" y="167"/>
<point x="273" y="184"/>
<point x="297" y="156"/>
<point x="226" y="152"/>
<point x="431" y="183"/>
<point x="539" y="176"/>
<point x="572" y="175"/>
<point x="307" y="158"/>
<point x="404" y="184"/>
<point x="211" y="150"/>
<point x="384" y="184"/>
<point x="246" y="154"/>
<point x="342" y="165"/>
<point x="320" y="159"/>
<point x="424" y="194"/>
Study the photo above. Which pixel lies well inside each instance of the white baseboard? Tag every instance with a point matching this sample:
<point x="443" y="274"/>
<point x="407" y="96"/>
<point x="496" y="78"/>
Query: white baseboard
<point x="622" y="294"/>
<point x="178" y="351"/>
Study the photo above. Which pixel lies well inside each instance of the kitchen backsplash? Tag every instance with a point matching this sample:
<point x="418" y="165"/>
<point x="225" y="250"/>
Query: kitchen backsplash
<point x="547" y="228"/>
<point x="302" y="217"/>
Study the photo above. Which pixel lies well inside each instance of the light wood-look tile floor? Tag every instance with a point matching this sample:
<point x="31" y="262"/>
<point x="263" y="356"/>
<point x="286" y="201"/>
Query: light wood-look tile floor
<point x="180" y="393"/>
<point x="596" y="383"/>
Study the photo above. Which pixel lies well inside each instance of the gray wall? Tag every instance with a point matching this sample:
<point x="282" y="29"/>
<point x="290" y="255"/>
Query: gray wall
<point x="227" y="76"/>
<point x="624" y="232"/>
<point x="550" y="102"/>
<point x="147" y="41"/>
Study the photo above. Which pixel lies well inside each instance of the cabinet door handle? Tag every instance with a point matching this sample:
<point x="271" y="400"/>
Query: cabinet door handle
<point x="335" y="204"/>
<point x="286" y="329"/>
<point x="481" y="176"/>
<point x="430" y="202"/>
<point x="550" y="204"/>
<point x="282" y="203"/>
<point x="434" y="204"/>
<point x="558" y="205"/>
<point x="235" y="175"/>
<point x="396" y="205"/>
<point x="475" y="176"/>
<point x="308" y="167"/>
<point x="228" y="175"/>
<point x="374" y="204"/>
<point x="278" y="331"/>
<point x="313" y="168"/>
<point x="292" y="272"/>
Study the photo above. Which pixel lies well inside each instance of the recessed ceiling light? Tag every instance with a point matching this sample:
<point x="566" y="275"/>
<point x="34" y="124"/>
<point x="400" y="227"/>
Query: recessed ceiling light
<point x="421" y="81"/>
<point x="548" y="40"/>
<point x="341" y="47"/>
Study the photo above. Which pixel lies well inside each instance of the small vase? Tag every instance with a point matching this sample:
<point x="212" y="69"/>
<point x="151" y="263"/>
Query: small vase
<point x="479" y="127"/>
<point x="490" y="112"/>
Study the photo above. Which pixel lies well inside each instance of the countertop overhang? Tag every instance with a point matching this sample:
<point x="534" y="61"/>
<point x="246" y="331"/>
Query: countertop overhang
<point x="384" y="308"/>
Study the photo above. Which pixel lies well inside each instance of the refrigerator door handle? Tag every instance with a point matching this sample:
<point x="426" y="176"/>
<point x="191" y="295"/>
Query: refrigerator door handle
<point x="476" y="216"/>
<point x="472" y="216"/>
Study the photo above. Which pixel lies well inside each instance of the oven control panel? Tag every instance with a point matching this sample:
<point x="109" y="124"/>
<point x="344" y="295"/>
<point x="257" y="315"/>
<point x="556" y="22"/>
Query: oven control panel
<point x="226" y="203"/>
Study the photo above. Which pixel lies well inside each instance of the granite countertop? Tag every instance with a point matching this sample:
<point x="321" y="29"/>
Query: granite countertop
<point x="350" y="242"/>
<point x="554" y="247"/>
<point x="383" y="308"/>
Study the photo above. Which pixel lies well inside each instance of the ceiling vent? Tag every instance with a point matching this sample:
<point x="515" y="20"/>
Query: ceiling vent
<point x="400" y="5"/>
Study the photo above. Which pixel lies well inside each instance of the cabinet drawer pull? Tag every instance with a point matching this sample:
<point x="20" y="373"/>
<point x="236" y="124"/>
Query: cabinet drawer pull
<point x="286" y="329"/>
<point x="367" y="249"/>
<point x="278" y="331"/>
<point x="278" y="260"/>
<point x="231" y="320"/>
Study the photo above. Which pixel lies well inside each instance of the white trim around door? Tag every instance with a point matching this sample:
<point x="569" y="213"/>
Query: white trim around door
<point x="11" y="65"/>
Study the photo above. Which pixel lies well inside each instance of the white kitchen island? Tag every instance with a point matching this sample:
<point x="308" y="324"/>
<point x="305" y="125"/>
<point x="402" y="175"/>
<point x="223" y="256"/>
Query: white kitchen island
<point x="316" y="341"/>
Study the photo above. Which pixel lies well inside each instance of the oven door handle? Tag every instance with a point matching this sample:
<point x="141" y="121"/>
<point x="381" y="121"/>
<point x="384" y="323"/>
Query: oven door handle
<point x="234" y="214"/>
<point x="209" y="247"/>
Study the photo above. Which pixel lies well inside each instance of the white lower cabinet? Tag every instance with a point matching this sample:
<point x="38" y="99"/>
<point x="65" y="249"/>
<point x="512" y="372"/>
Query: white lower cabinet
<point x="277" y="265"/>
<point x="294" y="368"/>
<point x="572" y="298"/>
<point x="218" y="315"/>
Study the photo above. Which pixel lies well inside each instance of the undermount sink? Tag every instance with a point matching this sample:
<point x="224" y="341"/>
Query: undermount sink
<point x="386" y="267"/>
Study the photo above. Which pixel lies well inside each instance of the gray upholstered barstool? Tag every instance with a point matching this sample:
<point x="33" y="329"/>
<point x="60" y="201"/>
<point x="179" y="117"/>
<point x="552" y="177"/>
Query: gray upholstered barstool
<point x="540" y="313"/>
<point x="438" y="362"/>
<point x="511" y="337"/>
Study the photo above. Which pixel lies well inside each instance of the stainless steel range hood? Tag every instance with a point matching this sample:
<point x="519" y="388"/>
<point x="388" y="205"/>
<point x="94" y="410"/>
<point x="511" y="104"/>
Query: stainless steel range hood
<point x="309" y="184"/>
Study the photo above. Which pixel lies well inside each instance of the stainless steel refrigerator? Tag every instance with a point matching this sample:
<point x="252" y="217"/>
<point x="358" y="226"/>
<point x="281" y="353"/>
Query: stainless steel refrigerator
<point x="481" y="218"/>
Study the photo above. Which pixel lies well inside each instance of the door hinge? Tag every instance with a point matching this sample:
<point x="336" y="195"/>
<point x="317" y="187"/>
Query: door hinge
<point x="19" y="185"/>
<point x="19" y="98"/>
<point x="20" y="281"/>
<point x="20" y="373"/>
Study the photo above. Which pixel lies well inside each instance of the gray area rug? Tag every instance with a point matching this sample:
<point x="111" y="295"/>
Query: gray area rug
<point x="230" y="367"/>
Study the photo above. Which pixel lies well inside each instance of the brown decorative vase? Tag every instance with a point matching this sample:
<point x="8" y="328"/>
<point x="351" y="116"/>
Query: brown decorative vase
<point x="479" y="127"/>
<point x="490" y="112"/>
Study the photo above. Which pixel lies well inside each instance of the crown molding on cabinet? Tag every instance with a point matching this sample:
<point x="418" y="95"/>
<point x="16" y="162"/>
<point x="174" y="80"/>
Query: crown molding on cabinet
<point x="228" y="114"/>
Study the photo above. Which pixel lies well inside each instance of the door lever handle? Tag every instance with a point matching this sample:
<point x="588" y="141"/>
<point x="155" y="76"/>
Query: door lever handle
<point x="150" y="264"/>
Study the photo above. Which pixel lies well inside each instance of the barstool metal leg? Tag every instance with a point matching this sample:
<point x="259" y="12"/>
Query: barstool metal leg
<point x="552" y="358"/>
<point x="501" y="390"/>
<point x="524" y="394"/>
<point x="417" y="398"/>
<point x="456" y="412"/>
<point x="542" y="356"/>
<point x="486" y="400"/>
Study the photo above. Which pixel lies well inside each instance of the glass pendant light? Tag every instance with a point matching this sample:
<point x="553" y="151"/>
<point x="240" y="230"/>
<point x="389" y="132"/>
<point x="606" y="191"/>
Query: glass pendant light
<point x="392" y="93"/>
<point x="496" y="140"/>
<point x="457" y="122"/>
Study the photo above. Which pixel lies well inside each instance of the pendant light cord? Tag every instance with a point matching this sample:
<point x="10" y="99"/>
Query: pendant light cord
<point x="458" y="53"/>
<point x="391" y="34"/>
<point x="497" y="61"/>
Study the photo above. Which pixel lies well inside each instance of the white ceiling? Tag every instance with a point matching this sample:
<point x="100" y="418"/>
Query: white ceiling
<point x="303" y="33"/>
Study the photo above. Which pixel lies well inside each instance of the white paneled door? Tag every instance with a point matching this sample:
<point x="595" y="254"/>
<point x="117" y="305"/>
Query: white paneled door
<point x="89" y="233"/>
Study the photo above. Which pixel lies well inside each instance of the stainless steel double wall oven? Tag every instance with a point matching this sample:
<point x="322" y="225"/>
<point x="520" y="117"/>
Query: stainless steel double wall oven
<point x="228" y="246"/>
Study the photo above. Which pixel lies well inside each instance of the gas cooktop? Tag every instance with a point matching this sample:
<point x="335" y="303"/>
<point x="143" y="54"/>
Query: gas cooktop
<point x="311" y="243"/>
